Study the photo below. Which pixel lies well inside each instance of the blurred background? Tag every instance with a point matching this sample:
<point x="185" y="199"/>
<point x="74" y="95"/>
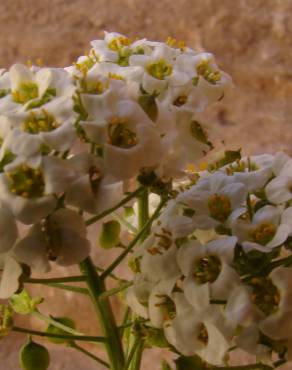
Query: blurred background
<point x="252" y="41"/>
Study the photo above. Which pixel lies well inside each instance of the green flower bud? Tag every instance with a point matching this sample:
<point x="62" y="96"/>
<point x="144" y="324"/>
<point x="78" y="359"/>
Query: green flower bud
<point x="110" y="234"/>
<point x="51" y="329"/>
<point x="23" y="304"/>
<point x="34" y="356"/>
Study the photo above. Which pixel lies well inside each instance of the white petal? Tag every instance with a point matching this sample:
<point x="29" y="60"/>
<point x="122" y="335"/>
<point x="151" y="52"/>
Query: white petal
<point x="198" y="295"/>
<point x="279" y="189"/>
<point x="9" y="281"/>
<point x="8" y="230"/>
<point x="188" y="254"/>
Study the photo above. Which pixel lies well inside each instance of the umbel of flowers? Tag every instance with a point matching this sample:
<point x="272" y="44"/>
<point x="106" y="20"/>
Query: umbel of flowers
<point x="214" y="272"/>
<point x="210" y="260"/>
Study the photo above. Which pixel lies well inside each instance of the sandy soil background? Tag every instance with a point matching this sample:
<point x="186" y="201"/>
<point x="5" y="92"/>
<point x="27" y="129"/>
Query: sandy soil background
<point x="252" y="40"/>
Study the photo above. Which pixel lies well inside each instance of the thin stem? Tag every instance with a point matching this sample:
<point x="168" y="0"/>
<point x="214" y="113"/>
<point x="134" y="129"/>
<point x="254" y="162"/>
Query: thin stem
<point x="136" y="346"/>
<point x="286" y="261"/>
<point x="116" y="290"/>
<point x="84" y="338"/>
<point x="70" y="288"/>
<point x="88" y="354"/>
<point x="57" y="324"/>
<point x="104" y="311"/>
<point x="124" y="201"/>
<point x="119" y="259"/>
<point x="143" y="212"/>
<point x="68" y="279"/>
<point x="245" y="367"/>
<point x="125" y="223"/>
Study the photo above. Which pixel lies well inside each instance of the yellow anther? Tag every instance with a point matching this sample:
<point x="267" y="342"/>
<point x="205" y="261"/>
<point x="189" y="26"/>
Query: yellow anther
<point x="219" y="207"/>
<point x="115" y="76"/>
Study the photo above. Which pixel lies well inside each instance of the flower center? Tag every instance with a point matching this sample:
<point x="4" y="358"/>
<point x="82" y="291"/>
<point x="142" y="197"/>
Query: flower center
<point x="94" y="178"/>
<point x="203" y="334"/>
<point x="120" y="135"/>
<point x="265" y="295"/>
<point x="43" y="123"/>
<point x="115" y="76"/>
<point x="207" y="269"/>
<point x="27" y="182"/>
<point x="119" y="42"/>
<point x="159" y="69"/>
<point x="167" y="307"/>
<point x="93" y="87"/>
<point x="219" y="207"/>
<point x="205" y="70"/>
<point x="25" y="93"/>
<point x="263" y="233"/>
<point x="180" y="100"/>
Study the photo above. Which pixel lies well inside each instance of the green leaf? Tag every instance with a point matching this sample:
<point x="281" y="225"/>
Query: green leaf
<point x="165" y="365"/>
<point x="199" y="133"/>
<point x="230" y="156"/>
<point x="155" y="337"/>
<point x="148" y="104"/>
<point x="190" y="363"/>
<point x="7" y="158"/>
<point x="51" y="329"/>
<point x="110" y="234"/>
<point x="129" y="211"/>
<point x="34" y="356"/>
<point x="23" y="304"/>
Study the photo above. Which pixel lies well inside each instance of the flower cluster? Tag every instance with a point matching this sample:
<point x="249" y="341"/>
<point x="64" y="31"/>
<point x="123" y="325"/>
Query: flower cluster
<point x="70" y="137"/>
<point x="214" y="272"/>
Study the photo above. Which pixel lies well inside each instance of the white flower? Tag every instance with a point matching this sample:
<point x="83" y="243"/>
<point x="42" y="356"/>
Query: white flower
<point x="129" y="139"/>
<point x="31" y="192"/>
<point x="215" y="200"/>
<point x="269" y="228"/>
<point x="159" y="257"/>
<point x="201" y="334"/>
<point x="137" y="296"/>
<point x="264" y="304"/>
<point x="159" y="69"/>
<point x="279" y="189"/>
<point x="34" y="87"/>
<point x="91" y="190"/>
<point x="61" y="238"/>
<point x="254" y="171"/>
<point x="209" y="80"/>
<point x="38" y="130"/>
<point x="278" y="325"/>
<point x="207" y="271"/>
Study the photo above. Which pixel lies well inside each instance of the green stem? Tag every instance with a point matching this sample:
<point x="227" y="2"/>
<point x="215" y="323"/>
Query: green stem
<point x="70" y="288"/>
<point x="116" y="290"/>
<point x="143" y="212"/>
<point x="57" y="324"/>
<point x="143" y="218"/>
<point x="105" y="314"/>
<point x="124" y="201"/>
<point x="124" y="223"/>
<point x="84" y="338"/>
<point x="68" y="279"/>
<point x="286" y="261"/>
<point x="88" y="354"/>
<point x="245" y="367"/>
<point x="137" y="346"/>
<point x="119" y="259"/>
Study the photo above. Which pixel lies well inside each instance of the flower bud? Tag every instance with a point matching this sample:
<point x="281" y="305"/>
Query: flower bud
<point x="34" y="356"/>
